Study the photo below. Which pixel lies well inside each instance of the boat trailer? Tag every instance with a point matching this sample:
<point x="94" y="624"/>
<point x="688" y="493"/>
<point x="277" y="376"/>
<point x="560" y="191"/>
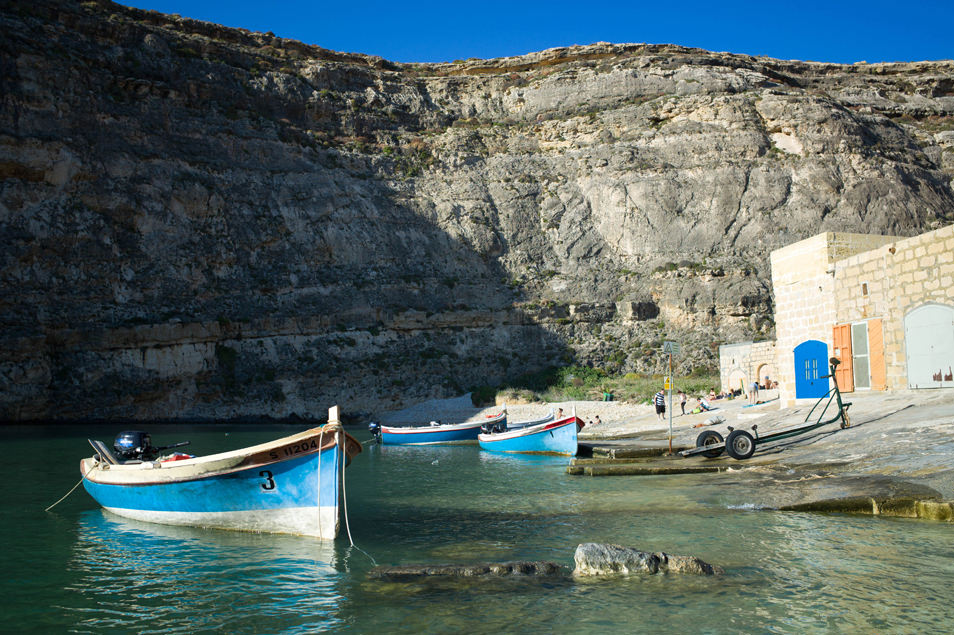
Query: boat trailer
<point x="740" y="444"/>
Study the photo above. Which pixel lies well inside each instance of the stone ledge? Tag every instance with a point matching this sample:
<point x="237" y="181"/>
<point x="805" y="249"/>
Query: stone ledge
<point x="900" y="507"/>
<point x="630" y="469"/>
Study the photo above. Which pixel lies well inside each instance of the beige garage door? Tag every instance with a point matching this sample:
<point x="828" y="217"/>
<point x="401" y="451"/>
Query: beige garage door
<point x="929" y="342"/>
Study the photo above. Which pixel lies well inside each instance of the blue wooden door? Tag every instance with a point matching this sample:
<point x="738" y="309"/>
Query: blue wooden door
<point x="811" y="365"/>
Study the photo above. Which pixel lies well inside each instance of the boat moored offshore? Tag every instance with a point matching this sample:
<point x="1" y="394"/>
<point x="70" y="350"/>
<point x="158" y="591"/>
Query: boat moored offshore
<point x="290" y="485"/>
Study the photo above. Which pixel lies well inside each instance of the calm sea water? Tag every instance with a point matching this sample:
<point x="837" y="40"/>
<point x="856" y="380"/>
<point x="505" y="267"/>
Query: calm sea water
<point x="80" y="569"/>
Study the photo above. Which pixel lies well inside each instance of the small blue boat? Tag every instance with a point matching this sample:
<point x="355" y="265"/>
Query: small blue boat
<point x="291" y="485"/>
<point x="438" y="433"/>
<point x="554" y="437"/>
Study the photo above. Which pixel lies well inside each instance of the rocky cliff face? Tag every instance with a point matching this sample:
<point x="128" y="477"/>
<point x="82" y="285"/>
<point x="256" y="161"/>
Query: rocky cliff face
<point x="205" y="222"/>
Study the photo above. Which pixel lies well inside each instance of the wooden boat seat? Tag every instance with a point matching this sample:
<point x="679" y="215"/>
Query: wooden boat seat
<point x="104" y="453"/>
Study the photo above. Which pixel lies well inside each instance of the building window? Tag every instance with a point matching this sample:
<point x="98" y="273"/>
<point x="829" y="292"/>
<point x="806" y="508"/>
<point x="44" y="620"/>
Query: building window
<point x="864" y="288"/>
<point x="811" y="369"/>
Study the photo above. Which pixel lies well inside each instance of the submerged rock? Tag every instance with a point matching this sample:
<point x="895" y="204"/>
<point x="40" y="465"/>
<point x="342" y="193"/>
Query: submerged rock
<point x="600" y="559"/>
<point x="591" y="559"/>
<point x="499" y="569"/>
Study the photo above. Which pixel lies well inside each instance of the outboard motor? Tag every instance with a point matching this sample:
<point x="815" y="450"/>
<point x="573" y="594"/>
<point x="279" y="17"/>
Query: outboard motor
<point x="495" y="427"/>
<point x="375" y="430"/>
<point x="136" y="445"/>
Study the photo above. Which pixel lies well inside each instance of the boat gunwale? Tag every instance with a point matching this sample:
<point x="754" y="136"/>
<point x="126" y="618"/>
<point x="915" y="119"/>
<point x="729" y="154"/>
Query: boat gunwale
<point x="528" y="431"/>
<point x="443" y="427"/>
<point x="232" y="461"/>
<point x="529" y="423"/>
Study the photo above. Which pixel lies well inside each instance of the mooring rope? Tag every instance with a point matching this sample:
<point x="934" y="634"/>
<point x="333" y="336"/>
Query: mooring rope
<point x="321" y="439"/>
<point x="82" y="478"/>
<point x="344" y="486"/>
<point x="344" y="498"/>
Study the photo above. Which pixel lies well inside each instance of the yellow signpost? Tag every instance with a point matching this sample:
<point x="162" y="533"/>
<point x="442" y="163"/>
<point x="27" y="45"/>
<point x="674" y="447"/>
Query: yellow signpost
<point x="670" y="348"/>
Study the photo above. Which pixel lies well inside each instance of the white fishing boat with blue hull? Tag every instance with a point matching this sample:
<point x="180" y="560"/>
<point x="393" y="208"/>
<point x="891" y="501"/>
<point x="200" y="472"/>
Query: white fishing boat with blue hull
<point x="291" y="485"/>
<point x="552" y="437"/>
<point x="436" y="433"/>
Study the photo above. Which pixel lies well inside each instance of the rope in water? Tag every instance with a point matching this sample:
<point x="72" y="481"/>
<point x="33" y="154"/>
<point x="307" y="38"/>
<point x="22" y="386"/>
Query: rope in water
<point x="67" y="494"/>
<point x="344" y="487"/>
<point x="82" y="478"/>
<point x="344" y="501"/>
<point x="321" y="439"/>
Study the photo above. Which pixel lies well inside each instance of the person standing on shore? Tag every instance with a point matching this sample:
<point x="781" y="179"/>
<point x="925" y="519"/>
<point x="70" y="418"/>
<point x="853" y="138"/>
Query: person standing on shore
<point x="754" y="392"/>
<point x="682" y="401"/>
<point x="660" y="400"/>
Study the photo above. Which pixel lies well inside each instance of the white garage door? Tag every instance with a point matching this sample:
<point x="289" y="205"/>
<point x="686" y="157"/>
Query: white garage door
<point x="929" y="340"/>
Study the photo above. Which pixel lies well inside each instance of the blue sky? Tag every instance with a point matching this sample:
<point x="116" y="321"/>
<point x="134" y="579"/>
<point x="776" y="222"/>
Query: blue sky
<point x="430" y="31"/>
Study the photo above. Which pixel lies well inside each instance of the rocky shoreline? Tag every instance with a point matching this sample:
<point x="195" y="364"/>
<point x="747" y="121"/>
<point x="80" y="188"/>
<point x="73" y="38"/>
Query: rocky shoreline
<point x="894" y="460"/>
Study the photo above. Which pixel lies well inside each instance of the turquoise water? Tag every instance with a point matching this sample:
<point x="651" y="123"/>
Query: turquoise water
<point x="79" y="569"/>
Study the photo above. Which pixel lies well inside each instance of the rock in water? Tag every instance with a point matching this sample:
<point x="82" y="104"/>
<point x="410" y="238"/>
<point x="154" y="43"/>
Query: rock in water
<point x="598" y="559"/>
<point x="500" y="569"/>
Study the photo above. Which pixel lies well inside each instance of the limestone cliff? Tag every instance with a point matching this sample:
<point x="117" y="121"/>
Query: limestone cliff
<point x="203" y="222"/>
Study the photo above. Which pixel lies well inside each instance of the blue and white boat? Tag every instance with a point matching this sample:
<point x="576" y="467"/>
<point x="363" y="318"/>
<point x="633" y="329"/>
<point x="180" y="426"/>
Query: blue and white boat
<point x="291" y="485"/>
<point x="437" y="433"/>
<point x="553" y="437"/>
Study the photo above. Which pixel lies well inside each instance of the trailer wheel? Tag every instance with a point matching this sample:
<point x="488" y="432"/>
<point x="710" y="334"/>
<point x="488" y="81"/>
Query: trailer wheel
<point x="740" y="444"/>
<point x="709" y="437"/>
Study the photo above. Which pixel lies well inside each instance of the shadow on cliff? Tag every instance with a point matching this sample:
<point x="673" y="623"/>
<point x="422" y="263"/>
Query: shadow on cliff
<point x="216" y="240"/>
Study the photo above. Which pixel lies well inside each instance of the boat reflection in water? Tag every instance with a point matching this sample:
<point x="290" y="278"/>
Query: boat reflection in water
<point x="186" y="579"/>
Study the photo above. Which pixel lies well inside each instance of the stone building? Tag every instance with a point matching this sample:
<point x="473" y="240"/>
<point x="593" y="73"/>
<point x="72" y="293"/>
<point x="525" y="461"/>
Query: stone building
<point x="741" y="364"/>
<point x="883" y="305"/>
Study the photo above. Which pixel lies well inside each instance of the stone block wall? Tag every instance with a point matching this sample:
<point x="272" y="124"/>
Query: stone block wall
<point x="764" y="362"/>
<point x="841" y="278"/>
<point x="734" y="365"/>
<point x="803" y="278"/>
<point x="742" y="362"/>
<point x="891" y="280"/>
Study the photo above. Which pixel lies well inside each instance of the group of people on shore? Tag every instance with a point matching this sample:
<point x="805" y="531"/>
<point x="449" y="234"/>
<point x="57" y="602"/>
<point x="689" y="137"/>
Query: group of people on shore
<point x="592" y="422"/>
<point x="702" y="403"/>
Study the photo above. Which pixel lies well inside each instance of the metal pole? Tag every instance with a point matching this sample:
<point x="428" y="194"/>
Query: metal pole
<point x="670" y="403"/>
